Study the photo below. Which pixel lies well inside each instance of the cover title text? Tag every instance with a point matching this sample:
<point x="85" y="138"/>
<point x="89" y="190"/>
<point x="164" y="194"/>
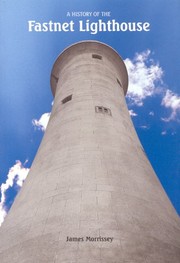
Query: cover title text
<point x="88" y="26"/>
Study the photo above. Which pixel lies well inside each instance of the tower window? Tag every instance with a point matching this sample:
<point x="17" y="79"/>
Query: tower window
<point x="68" y="98"/>
<point x="97" y="56"/>
<point x="118" y="81"/>
<point x="100" y="109"/>
<point x="103" y="110"/>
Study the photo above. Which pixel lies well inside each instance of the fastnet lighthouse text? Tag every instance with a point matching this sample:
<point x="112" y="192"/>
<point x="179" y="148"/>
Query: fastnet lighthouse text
<point x="88" y="26"/>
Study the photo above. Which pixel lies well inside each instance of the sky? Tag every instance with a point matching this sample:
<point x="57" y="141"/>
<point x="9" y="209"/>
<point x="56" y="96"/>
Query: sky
<point x="152" y="59"/>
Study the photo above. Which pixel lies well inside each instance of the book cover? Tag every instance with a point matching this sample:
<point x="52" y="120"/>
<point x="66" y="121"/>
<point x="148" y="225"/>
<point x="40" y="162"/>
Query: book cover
<point x="33" y="34"/>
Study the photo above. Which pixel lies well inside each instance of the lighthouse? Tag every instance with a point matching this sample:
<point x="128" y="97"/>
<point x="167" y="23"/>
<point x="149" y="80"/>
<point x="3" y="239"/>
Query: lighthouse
<point x="91" y="195"/>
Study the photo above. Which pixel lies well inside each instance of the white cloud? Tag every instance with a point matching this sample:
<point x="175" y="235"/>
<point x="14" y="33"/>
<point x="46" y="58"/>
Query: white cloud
<point x="16" y="176"/>
<point x="3" y="214"/>
<point x="132" y="113"/>
<point x="145" y="127"/>
<point x="144" y="76"/>
<point x="172" y="101"/>
<point x="42" y="122"/>
<point x="151" y="113"/>
<point x="163" y="133"/>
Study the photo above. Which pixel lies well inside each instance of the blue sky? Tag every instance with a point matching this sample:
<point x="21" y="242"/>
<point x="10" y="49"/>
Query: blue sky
<point x="152" y="59"/>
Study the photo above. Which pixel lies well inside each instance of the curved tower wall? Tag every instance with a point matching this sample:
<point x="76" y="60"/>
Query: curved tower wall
<point x="91" y="181"/>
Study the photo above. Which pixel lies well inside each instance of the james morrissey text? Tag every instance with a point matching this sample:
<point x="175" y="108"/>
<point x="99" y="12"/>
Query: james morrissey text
<point x="89" y="239"/>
